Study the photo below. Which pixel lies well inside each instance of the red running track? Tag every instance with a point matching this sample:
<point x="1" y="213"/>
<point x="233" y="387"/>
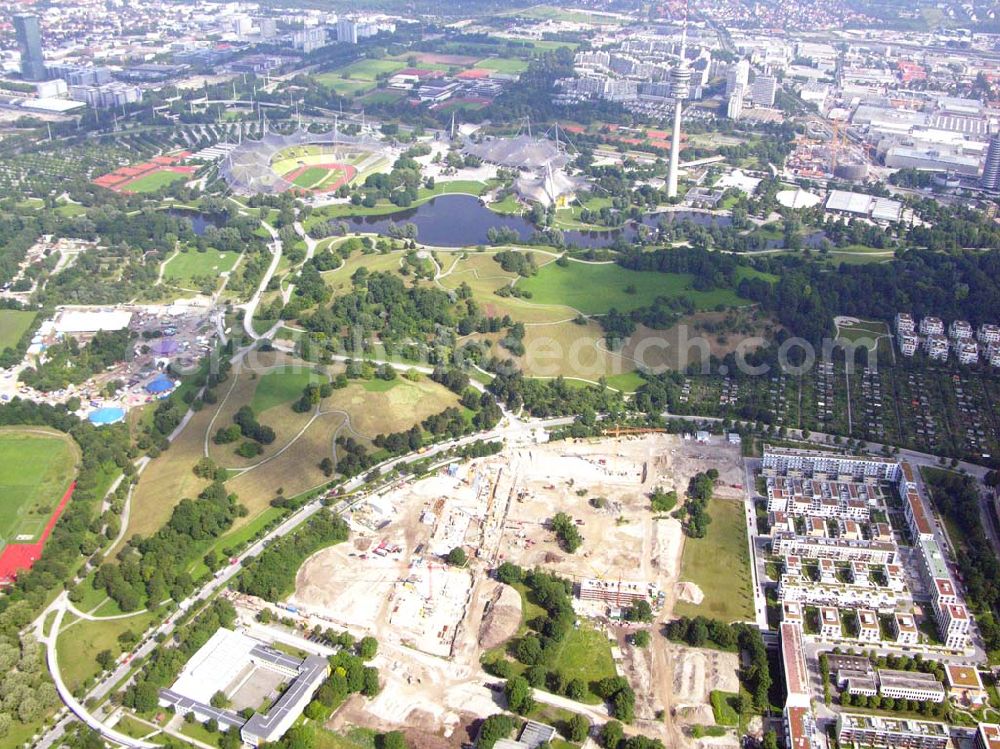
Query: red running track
<point x="17" y="557"/>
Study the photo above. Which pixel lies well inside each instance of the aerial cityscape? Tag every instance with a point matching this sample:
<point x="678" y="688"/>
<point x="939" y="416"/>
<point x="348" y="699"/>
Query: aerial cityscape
<point x="457" y="374"/>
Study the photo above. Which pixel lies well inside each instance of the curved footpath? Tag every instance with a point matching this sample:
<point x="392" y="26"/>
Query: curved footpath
<point x="52" y="660"/>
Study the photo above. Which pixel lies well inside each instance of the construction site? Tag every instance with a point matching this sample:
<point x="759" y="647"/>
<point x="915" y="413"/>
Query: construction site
<point x="434" y="621"/>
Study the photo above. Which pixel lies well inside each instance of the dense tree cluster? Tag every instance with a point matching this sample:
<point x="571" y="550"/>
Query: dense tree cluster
<point x="957" y="498"/>
<point x="272" y="574"/>
<point x="515" y="261"/>
<point x="554" y="397"/>
<point x="69" y="363"/>
<point x="695" y="510"/>
<point x="566" y="531"/>
<point x="151" y="570"/>
<point x="962" y="285"/>
<point x="537" y="648"/>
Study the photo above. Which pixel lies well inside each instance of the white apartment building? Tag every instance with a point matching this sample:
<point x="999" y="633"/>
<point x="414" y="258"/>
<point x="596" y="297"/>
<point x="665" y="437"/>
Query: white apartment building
<point x="904" y="323"/>
<point x="837" y="549"/>
<point x="824" y="499"/>
<point x="904" y="627"/>
<point x="738" y="75"/>
<point x="894" y="577"/>
<point x="960" y="330"/>
<point x="908" y="344"/>
<point x="829" y="623"/>
<point x="954" y="624"/>
<point x="763" y="91"/>
<point x="988" y="333"/>
<point x="881" y="732"/>
<point x="967" y="351"/>
<point x="860" y="574"/>
<point x="868" y="626"/>
<point x="793" y="565"/>
<point x="817" y="464"/>
<point x="840" y="595"/>
<point x="916" y="516"/>
<point x="734" y="105"/>
<point x="791" y="612"/>
<point x="931" y="326"/>
<point x="936" y="346"/>
<point x="993" y="354"/>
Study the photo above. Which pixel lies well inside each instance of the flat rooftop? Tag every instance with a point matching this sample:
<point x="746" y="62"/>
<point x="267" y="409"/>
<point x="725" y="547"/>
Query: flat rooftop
<point x="215" y="665"/>
<point x="926" y="728"/>
<point x="963" y="676"/>
<point x="793" y="661"/>
<point x="907" y="679"/>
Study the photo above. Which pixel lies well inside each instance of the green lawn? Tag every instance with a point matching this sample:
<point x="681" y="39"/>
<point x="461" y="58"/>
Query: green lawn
<point x="508" y="206"/>
<point x="719" y="565"/>
<point x="356" y="738"/>
<point x="36" y="468"/>
<point x="311" y="177"/>
<point x="154" y="181"/>
<point x="379" y="385"/>
<point x="370" y="70"/>
<point x="569" y="217"/>
<point x="70" y="209"/>
<point x="13" y="324"/>
<point x="510" y="65"/>
<point x="595" y="289"/>
<point x="183" y="267"/>
<point x="724" y="705"/>
<point x="585" y="653"/>
<point x="344" y="86"/>
<point x="281" y="386"/>
<point x="79" y="644"/>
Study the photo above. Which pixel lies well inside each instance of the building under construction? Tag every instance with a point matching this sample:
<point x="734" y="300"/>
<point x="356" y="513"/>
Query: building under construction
<point x="615" y="592"/>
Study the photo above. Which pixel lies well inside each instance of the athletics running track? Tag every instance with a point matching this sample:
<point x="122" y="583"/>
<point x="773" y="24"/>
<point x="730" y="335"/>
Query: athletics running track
<point x="17" y="557"/>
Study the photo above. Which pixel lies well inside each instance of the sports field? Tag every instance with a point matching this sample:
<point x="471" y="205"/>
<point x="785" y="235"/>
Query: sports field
<point x="13" y="324"/>
<point x="595" y="289"/>
<point x="153" y="181"/>
<point x="510" y="65"/>
<point x="36" y="468"/>
<point x="719" y="564"/>
<point x="370" y="70"/>
<point x="322" y="177"/>
<point x="344" y="86"/>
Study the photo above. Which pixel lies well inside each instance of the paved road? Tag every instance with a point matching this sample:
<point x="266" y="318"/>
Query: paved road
<point x="250" y="308"/>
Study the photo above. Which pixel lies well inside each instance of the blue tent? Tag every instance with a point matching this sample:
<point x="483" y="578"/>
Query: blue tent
<point x="161" y="384"/>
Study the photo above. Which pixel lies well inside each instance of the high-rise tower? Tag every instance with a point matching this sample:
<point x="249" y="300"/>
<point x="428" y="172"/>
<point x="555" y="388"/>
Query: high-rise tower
<point x="991" y="170"/>
<point x="680" y="89"/>
<point x="29" y="41"/>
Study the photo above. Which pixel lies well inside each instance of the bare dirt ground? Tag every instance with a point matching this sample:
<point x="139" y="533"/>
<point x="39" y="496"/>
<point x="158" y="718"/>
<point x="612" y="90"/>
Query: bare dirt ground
<point x="434" y="622"/>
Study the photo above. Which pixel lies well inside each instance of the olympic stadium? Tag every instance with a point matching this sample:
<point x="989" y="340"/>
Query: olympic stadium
<point x="306" y="162"/>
